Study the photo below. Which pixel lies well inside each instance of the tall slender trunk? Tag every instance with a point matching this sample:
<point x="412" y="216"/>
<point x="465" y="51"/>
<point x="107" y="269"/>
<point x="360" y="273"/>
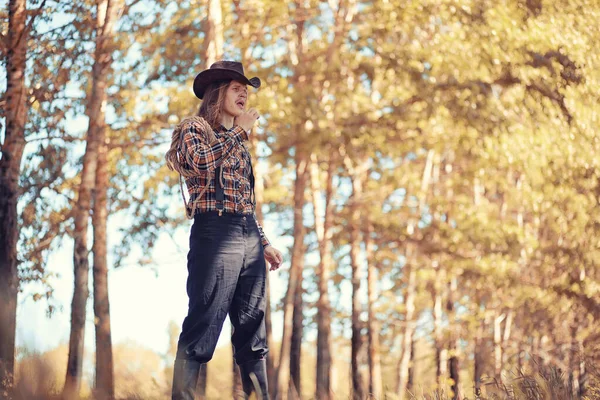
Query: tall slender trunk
<point x="296" y="343"/>
<point x="498" y="345"/>
<point x="507" y="332"/>
<point x="105" y="388"/>
<point x="520" y="354"/>
<point x="573" y="384"/>
<point x="358" y="389"/>
<point x="296" y="54"/>
<point x="441" y="352"/>
<point x="478" y="357"/>
<point x="271" y="369"/>
<point x="323" y="219"/>
<point x="410" y="273"/>
<point x="283" y="369"/>
<point x="258" y="192"/>
<point x="582" y="371"/>
<point x="534" y="360"/>
<point x="213" y="39"/>
<point x="95" y="110"/>
<point x="409" y="329"/>
<point x="453" y="362"/>
<point x="543" y="351"/>
<point x="10" y="170"/>
<point x="411" y="368"/>
<point x="375" y="378"/>
<point x="508" y="324"/>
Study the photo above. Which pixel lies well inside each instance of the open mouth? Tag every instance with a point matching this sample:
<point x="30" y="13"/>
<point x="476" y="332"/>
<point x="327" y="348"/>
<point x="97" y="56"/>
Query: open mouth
<point x="241" y="103"/>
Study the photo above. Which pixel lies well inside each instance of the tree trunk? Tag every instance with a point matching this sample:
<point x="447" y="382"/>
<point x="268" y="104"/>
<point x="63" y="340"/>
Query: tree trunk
<point x="296" y="343"/>
<point x="453" y="364"/>
<point x="411" y="367"/>
<point x="296" y="52"/>
<point x="213" y="40"/>
<point x="521" y="350"/>
<point x="573" y="384"/>
<point x="283" y="369"/>
<point x="582" y="371"/>
<point x="409" y="322"/>
<point x="534" y="360"/>
<point x="439" y="284"/>
<point x="506" y="336"/>
<point x="271" y="369"/>
<point x="410" y="273"/>
<point x="375" y="378"/>
<point x="323" y="220"/>
<point x="543" y="352"/>
<point x="10" y="170"/>
<point x="95" y="110"/>
<point x="498" y="345"/>
<point x="478" y="358"/>
<point x="259" y="186"/>
<point x="105" y="389"/>
<point x="358" y="390"/>
<point x="441" y="353"/>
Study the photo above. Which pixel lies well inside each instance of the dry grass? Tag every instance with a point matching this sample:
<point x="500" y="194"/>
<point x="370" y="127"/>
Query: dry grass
<point x="548" y="384"/>
<point x="38" y="383"/>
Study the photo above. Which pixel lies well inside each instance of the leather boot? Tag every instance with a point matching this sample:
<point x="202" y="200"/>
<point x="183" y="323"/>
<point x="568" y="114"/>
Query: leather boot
<point x="254" y="379"/>
<point x="185" y="379"/>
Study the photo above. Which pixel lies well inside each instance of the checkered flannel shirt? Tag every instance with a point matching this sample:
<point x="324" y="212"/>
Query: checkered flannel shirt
<point x="228" y="151"/>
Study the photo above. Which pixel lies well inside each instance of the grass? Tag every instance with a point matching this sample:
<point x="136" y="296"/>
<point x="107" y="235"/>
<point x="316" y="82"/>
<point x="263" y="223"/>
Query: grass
<point x="548" y="384"/>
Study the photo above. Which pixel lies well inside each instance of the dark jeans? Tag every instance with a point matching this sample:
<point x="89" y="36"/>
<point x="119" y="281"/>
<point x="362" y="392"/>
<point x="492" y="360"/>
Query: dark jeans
<point x="226" y="274"/>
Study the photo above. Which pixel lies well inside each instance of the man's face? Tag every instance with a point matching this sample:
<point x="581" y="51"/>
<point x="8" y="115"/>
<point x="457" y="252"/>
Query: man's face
<point x="235" y="99"/>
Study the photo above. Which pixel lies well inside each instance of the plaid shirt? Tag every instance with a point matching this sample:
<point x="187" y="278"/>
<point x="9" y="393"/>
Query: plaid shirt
<point x="228" y="151"/>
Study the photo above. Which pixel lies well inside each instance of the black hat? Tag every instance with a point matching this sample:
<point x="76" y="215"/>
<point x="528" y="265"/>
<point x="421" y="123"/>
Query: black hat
<point x="222" y="71"/>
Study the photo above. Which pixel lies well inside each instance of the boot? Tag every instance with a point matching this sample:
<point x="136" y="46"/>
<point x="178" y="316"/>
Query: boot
<point x="254" y="379"/>
<point x="185" y="379"/>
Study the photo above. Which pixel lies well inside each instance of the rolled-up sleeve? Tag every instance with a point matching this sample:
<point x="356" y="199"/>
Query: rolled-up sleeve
<point x="204" y="156"/>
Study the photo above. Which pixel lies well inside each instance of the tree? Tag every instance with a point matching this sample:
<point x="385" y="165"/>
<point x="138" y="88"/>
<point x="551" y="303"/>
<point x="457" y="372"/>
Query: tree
<point x="323" y="227"/>
<point x="301" y="164"/>
<point x="283" y="372"/>
<point x="10" y="167"/>
<point x="358" y="174"/>
<point x="105" y="17"/>
<point x="374" y="350"/>
<point x="104" y="355"/>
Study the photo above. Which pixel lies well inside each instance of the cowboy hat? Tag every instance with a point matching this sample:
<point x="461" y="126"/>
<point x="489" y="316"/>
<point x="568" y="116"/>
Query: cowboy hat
<point x="222" y="71"/>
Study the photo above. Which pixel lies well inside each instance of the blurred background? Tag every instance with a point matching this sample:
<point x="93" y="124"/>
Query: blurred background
<point x="429" y="168"/>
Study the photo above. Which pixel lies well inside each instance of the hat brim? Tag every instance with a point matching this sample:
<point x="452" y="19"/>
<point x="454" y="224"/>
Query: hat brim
<point x="205" y="78"/>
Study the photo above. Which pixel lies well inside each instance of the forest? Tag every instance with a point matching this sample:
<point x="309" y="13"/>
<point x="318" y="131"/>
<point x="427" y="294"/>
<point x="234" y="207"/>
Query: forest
<point x="429" y="168"/>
